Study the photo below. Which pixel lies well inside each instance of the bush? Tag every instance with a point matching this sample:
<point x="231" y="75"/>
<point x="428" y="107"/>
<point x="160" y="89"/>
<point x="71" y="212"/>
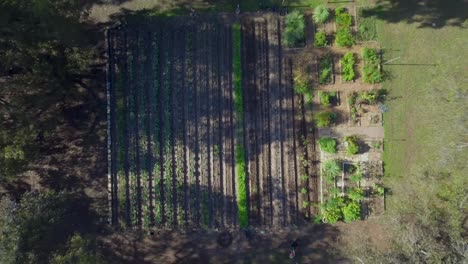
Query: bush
<point x="321" y="14"/>
<point x="324" y="119"/>
<point x="347" y="66"/>
<point x="353" y="146"/>
<point x="326" y="98"/>
<point x="326" y="68"/>
<point x="320" y="39"/>
<point x="294" y="32"/>
<point x="352" y="212"/>
<point x="356" y="194"/>
<point x="331" y="169"/>
<point x="379" y="190"/>
<point x="344" y="37"/>
<point x="371" y="70"/>
<point x="328" y="145"/>
<point x="343" y="19"/>
<point x="331" y="210"/>
<point x="357" y="177"/>
<point x="302" y="85"/>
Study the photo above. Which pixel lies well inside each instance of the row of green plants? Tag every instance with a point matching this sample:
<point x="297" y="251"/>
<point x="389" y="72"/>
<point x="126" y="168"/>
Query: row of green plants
<point x="347" y="66"/>
<point x="240" y="151"/>
<point x="371" y="72"/>
<point x="344" y="36"/>
<point x="326" y="69"/>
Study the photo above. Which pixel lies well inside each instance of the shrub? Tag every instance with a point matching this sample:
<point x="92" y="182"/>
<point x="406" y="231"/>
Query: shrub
<point x="321" y="14"/>
<point x="344" y="37"/>
<point x="343" y="19"/>
<point x="294" y="32"/>
<point x="356" y="194"/>
<point x="326" y="98"/>
<point x="328" y="145"/>
<point x="379" y="189"/>
<point x="357" y="177"/>
<point x="320" y="39"/>
<point x="324" y="119"/>
<point x="302" y="85"/>
<point x="331" y="169"/>
<point x="353" y="146"/>
<point x="351" y="212"/>
<point x="326" y="68"/>
<point x="371" y="70"/>
<point x="347" y="66"/>
<point x="331" y="210"/>
<point x="303" y="190"/>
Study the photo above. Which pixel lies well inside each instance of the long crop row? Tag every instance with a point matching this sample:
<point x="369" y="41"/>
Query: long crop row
<point x="239" y="107"/>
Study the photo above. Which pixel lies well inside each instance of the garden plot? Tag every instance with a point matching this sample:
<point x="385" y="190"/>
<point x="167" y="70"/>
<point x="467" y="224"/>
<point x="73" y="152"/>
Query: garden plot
<point x="206" y="129"/>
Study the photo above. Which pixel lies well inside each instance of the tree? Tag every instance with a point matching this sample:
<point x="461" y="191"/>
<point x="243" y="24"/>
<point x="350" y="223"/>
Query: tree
<point x="41" y="224"/>
<point x="327" y="144"/>
<point x="79" y="250"/>
<point x="321" y="14"/>
<point x="352" y="212"/>
<point x="295" y="26"/>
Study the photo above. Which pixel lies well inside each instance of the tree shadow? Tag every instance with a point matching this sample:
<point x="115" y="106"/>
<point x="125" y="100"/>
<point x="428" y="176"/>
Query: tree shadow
<point x="424" y="13"/>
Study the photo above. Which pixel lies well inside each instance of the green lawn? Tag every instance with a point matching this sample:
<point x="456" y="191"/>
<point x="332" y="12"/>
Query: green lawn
<point x="426" y="126"/>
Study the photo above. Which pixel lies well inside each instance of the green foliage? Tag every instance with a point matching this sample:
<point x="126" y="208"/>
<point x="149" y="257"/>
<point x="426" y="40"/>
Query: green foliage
<point x="334" y="192"/>
<point x="331" y="210"/>
<point x="325" y="118"/>
<point x="304" y="190"/>
<point x="357" y="177"/>
<point x="344" y="37"/>
<point x="331" y="170"/>
<point x="239" y="108"/>
<point x="41" y="225"/>
<point x="356" y="194"/>
<point x="80" y="251"/>
<point x="371" y="71"/>
<point x="16" y="150"/>
<point x="327" y="144"/>
<point x="353" y="146"/>
<point x="343" y="19"/>
<point x="302" y="85"/>
<point x="347" y="66"/>
<point x="304" y="177"/>
<point x="295" y="29"/>
<point x="305" y="204"/>
<point x="379" y="190"/>
<point x="326" y="98"/>
<point x="326" y="68"/>
<point x="320" y="39"/>
<point x="321" y="14"/>
<point x="351" y="212"/>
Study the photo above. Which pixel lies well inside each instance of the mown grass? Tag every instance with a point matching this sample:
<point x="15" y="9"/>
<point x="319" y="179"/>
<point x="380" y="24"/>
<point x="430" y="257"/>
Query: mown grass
<point x="239" y="109"/>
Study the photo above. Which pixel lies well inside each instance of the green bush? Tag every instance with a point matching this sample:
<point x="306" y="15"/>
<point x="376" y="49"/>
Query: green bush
<point x="371" y="70"/>
<point x="324" y="119"/>
<point x="327" y="144"/>
<point x="302" y="85"/>
<point x="326" y="98"/>
<point x="351" y="212"/>
<point x="326" y="68"/>
<point x="379" y="189"/>
<point x="294" y="32"/>
<point x="353" y="146"/>
<point x="357" y="177"/>
<point x="331" y="170"/>
<point x="344" y="37"/>
<point x="332" y="210"/>
<point x="321" y="14"/>
<point x="347" y="66"/>
<point x="356" y="194"/>
<point x="343" y="19"/>
<point x="320" y="39"/>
